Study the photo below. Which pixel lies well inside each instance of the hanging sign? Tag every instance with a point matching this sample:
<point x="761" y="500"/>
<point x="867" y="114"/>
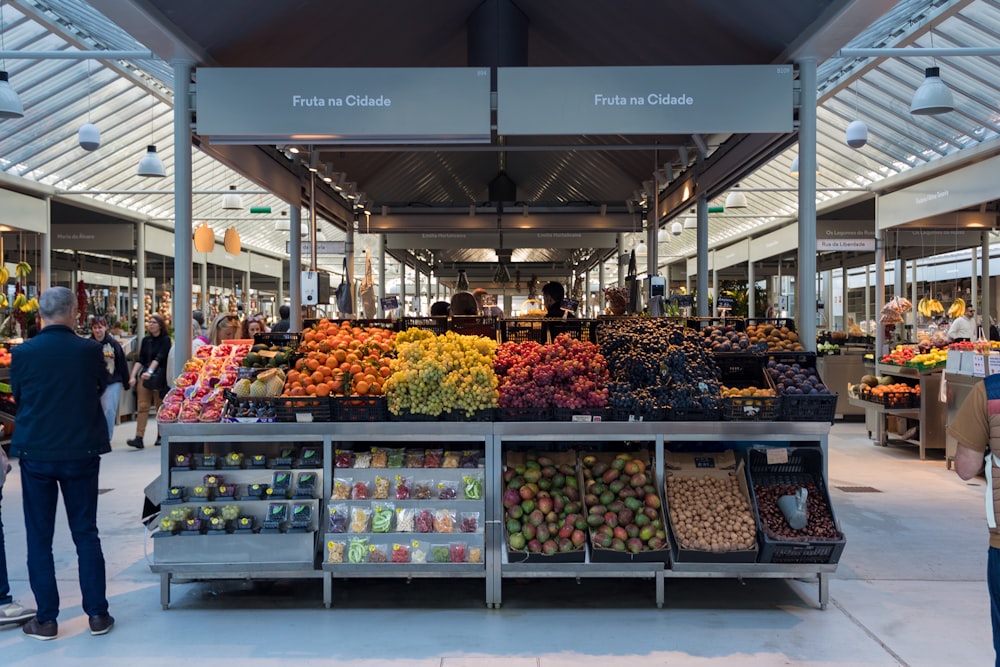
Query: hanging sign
<point x="725" y="302"/>
<point x="644" y="100"/>
<point x="570" y="304"/>
<point x="93" y="237"/>
<point x="317" y="105"/>
<point x="390" y="303"/>
<point x="322" y="247"/>
<point x="683" y="300"/>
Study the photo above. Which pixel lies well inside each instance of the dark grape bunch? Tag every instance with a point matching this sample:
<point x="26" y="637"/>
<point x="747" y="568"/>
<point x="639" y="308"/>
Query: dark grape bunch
<point x="657" y="363"/>
<point x="725" y="338"/>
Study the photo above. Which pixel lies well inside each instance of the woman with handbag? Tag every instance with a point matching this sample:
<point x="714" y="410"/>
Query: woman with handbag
<point x="149" y="374"/>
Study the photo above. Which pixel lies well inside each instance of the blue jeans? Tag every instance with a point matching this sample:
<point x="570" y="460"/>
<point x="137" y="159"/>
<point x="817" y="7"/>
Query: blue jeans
<point x="993" y="583"/>
<point x="109" y="405"/>
<point x="41" y="482"/>
<point x="5" y="596"/>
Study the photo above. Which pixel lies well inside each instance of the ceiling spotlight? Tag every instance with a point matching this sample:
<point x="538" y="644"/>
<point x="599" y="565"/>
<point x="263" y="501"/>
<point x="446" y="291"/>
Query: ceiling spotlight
<point x="293" y="149"/>
<point x="933" y="96"/>
<point x="676" y="228"/>
<point x="736" y="198"/>
<point x="856" y="134"/>
<point x="231" y="200"/>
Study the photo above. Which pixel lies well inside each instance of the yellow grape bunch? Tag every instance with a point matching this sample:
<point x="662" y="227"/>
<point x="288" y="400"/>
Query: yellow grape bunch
<point x="432" y="374"/>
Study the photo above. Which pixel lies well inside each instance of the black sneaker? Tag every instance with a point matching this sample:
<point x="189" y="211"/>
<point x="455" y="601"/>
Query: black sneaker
<point x="43" y="630"/>
<point x="157" y="443"/>
<point x="135" y="442"/>
<point x="102" y="624"/>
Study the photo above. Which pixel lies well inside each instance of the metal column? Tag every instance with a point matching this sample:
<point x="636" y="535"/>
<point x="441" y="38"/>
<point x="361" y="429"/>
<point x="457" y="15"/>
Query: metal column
<point x="140" y="274"/>
<point x="295" y="266"/>
<point x="183" y="211"/>
<point x="381" y="273"/>
<point x="987" y="307"/>
<point x="805" y="290"/>
<point x="974" y="278"/>
<point x="702" y="266"/>
<point x="45" y="258"/>
<point x="879" y="294"/>
<point x="622" y="259"/>
<point x="751" y="289"/>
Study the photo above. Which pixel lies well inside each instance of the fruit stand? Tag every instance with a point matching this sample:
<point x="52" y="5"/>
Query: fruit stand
<point x="370" y="453"/>
<point x="929" y="412"/>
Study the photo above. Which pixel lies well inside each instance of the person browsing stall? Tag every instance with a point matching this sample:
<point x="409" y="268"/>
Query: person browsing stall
<point x="118" y="378"/>
<point x="57" y="379"/>
<point x="552" y="296"/>
<point x="150" y="368"/>
<point x="225" y="326"/>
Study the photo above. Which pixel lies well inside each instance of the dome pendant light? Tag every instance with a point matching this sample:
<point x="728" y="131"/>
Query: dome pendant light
<point x="736" y="198"/>
<point x="856" y="134"/>
<point x="151" y="164"/>
<point x="231" y="200"/>
<point x="10" y="103"/>
<point x="89" y="137"/>
<point x="933" y="96"/>
<point x="676" y="228"/>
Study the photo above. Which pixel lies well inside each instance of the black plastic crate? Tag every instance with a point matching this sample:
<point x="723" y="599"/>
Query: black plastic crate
<point x="741" y="372"/>
<point x="803" y="407"/>
<point x="523" y="330"/>
<point x="578" y="328"/>
<point x="359" y="408"/>
<point x="694" y="414"/>
<point x="288" y="338"/>
<point x="248" y="408"/>
<point x="654" y="415"/>
<point x="524" y="414"/>
<point x="702" y="323"/>
<point x="804" y="465"/>
<point x="484" y="415"/>
<point x="475" y="325"/>
<point x="786" y="322"/>
<point x="580" y="414"/>
<point x="438" y="325"/>
<point x="407" y="416"/>
<point x="303" y="408"/>
<point x="390" y="325"/>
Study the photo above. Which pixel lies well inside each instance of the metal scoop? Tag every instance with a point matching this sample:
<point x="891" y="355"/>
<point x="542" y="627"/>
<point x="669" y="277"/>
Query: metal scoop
<point x="794" y="508"/>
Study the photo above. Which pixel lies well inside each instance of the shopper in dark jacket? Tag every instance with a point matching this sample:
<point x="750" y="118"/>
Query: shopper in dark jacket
<point x="57" y="379"/>
<point x="151" y="364"/>
<point x="284" y="323"/>
<point x="117" y="368"/>
<point x="552" y="296"/>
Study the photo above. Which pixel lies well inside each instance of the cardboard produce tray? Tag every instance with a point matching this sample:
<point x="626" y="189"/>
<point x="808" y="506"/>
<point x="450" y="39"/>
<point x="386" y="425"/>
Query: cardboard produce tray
<point x="605" y="555"/>
<point x="514" y="556"/>
<point x="803" y="465"/>
<point x="701" y="465"/>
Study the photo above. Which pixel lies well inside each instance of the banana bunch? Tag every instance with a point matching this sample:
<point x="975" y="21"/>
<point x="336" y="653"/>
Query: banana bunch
<point x="30" y="305"/>
<point x="22" y="270"/>
<point x="930" y="307"/>
<point x="3" y="301"/>
<point x="4" y="274"/>
<point x="957" y="309"/>
<point x="19" y="301"/>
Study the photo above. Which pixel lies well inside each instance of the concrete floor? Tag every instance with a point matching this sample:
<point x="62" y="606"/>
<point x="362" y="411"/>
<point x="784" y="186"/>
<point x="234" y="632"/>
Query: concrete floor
<point x="910" y="590"/>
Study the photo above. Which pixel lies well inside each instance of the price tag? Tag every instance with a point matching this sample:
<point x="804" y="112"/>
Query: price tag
<point x="725" y="302"/>
<point x="570" y="305"/>
<point x="994" y="364"/>
<point x="979" y="366"/>
<point x="777" y="455"/>
<point x="390" y="303"/>
<point x="683" y="300"/>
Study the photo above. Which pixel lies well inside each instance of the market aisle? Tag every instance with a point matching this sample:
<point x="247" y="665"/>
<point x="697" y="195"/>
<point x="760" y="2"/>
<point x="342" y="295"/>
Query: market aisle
<point x="910" y="590"/>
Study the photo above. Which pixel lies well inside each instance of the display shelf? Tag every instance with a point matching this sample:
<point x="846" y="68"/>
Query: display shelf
<point x="489" y="437"/>
<point x="931" y="415"/>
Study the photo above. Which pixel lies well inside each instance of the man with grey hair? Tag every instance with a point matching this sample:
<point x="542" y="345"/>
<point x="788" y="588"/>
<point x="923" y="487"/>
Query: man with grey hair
<point x="57" y="379"/>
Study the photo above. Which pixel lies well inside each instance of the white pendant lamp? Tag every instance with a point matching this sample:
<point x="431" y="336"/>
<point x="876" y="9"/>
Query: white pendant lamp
<point x="736" y="198"/>
<point x="231" y="200"/>
<point x="691" y="222"/>
<point x="676" y="228"/>
<point x="89" y="137"/>
<point x="856" y="134"/>
<point x="151" y="164"/>
<point x="10" y="103"/>
<point x="933" y="96"/>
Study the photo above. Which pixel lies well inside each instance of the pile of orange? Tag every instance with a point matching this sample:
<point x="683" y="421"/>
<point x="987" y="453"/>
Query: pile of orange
<point x="340" y="359"/>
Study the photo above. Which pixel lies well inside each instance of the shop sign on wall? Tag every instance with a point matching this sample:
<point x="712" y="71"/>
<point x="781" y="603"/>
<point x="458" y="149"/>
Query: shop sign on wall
<point x="345" y="105"/>
<point x="644" y="100"/>
<point x="93" y="237"/>
<point x="322" y="247"/>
